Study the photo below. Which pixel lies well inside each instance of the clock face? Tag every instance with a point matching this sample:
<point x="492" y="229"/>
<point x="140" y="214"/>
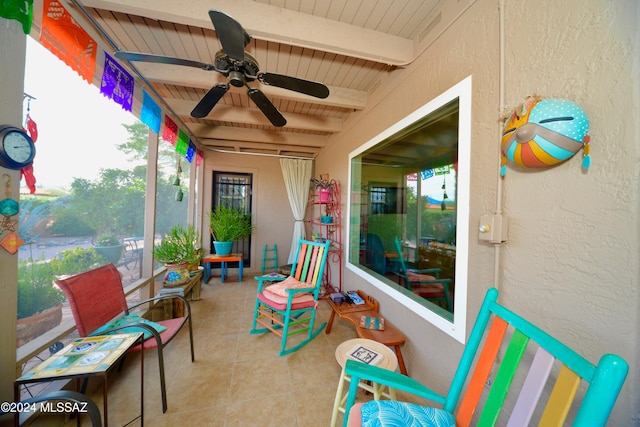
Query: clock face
<point x="18" y="147"/>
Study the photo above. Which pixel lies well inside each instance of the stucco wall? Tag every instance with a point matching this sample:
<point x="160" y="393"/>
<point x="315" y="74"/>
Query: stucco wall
<point x="570" y="264"/>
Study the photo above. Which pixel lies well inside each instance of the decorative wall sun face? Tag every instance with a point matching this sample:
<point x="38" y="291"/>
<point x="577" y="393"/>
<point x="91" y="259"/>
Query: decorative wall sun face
<point x="545" y="132"/>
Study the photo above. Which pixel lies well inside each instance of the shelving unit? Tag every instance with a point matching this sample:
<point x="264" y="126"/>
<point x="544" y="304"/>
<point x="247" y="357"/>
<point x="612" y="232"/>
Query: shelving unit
<point x="319" y="228"/>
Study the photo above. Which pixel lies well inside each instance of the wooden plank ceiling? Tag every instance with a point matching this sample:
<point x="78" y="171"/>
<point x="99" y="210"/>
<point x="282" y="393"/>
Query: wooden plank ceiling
<point x="348" y="45"/>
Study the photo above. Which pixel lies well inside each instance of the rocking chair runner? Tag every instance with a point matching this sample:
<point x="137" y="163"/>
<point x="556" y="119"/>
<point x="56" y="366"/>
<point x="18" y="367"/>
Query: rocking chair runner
<point x="554" y="367"/>
<point x="96" y="298"/>
<point x="294" y="310"/>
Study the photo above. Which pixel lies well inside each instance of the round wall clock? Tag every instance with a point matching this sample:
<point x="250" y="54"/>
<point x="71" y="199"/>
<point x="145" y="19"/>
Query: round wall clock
<point x="17" y="149"/>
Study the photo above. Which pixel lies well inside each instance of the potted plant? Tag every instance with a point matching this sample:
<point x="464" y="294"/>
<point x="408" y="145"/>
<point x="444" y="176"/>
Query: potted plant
<point x="228" y="225"/>
<point x="39" y="301"/>
<point x="323" y="188"/>
<point x="179" y="248"/>
<point x="109" y="246"/>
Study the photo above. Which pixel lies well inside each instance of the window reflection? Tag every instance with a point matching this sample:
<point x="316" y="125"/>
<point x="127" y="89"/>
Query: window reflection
<point x="405" y="215"/>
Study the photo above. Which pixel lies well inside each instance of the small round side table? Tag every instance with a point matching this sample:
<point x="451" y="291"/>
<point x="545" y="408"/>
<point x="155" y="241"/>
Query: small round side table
<point x="389" y="361"/>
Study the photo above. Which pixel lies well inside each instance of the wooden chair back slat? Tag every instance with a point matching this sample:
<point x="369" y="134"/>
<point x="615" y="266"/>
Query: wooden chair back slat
<point x="310" y="267"/>
<point x="531" y="389"/>
<point x="504" y="377"/>
<point x="317" y="264"/>
<point x="481" y="373"/>
<point x="300" y="261"/>
<point x="564" y="391"/>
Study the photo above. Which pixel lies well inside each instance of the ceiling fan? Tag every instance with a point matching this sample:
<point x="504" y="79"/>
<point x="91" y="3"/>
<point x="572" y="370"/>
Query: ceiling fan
<point x="239" y="67"/>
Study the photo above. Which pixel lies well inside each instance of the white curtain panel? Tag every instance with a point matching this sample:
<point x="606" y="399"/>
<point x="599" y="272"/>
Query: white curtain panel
<point x="297" y="175"/>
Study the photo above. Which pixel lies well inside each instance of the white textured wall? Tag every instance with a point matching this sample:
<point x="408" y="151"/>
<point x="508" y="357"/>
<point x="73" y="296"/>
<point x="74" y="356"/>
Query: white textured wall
<point x="570" y="265"/>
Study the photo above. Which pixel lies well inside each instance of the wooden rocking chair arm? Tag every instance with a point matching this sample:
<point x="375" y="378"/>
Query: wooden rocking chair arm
<point x="361" y="371"/>
<point x="435" y="271"/>
<point x="300" y="290"/>
<point x="261" y="280"/>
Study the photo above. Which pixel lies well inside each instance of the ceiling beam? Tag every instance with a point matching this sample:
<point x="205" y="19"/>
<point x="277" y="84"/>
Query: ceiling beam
<point x="195" y="77"/>
<point x="208" y="133"/>
<point x="255" y="146"/>
<point x="283" y="26"/>
<point x="253" y="116"/>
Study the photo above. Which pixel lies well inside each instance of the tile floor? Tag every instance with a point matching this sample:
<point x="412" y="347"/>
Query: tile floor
<point x="238" y="379"/>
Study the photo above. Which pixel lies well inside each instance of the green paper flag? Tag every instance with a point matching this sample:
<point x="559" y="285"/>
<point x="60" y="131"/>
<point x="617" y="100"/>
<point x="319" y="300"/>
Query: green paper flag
<point x="182" y="143"/>
<point x="20" y="10"/>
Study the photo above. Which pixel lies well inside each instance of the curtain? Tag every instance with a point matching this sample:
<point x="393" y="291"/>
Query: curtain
<point x="297" y="174"/>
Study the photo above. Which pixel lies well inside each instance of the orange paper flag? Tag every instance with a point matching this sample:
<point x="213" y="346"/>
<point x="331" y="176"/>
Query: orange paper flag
<point x="62" y="35"/>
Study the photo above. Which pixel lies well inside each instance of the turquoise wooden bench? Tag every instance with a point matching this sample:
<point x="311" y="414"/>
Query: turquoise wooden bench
<point x="546" y="388"/>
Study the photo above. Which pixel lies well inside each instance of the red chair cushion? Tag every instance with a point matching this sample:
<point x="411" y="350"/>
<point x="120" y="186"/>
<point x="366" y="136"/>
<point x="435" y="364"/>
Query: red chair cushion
<point x="416" y="277"/>
<point x="297" y="304"/>
<point x="172" y="325"/>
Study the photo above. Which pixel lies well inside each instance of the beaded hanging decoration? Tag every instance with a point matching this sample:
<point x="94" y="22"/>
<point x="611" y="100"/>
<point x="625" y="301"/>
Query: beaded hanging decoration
<point x="11" y="242"/>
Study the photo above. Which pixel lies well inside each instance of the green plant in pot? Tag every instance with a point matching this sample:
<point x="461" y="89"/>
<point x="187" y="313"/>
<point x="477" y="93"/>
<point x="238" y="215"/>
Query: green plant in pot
<point x="228" y="225"/>
<point x="179" y="248"/>
<point x="39" y="301"/>
<point x="109" y="246"/>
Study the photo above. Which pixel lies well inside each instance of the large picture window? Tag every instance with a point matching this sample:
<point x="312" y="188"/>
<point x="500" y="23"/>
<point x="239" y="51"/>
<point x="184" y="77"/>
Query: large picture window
<point x="408" y="228"/>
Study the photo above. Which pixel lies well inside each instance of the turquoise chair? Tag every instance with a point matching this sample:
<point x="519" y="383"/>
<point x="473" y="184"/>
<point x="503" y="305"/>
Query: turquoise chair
<point x="424" y="282"/>
<point x="294" y="313"/>
<point x="546" y="387"/>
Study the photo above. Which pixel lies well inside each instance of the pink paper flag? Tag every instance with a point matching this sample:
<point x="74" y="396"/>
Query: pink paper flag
<point x="170" y="130"/>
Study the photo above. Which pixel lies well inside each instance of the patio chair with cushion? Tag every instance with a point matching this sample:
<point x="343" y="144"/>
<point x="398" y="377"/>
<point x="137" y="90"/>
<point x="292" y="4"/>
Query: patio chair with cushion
<point x="424" y="282"/>
<point x="288" y="307"/>
<point x="541" y="374"/>
<point x="99" y="307"/>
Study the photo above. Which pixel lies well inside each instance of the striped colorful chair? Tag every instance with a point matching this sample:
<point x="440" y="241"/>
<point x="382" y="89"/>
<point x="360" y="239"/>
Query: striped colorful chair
<point x="288" y="307"/>
<point x="543" y="389"/>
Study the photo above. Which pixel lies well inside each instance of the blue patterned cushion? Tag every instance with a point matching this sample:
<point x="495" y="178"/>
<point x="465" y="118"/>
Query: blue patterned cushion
<point x="390" y="413"/>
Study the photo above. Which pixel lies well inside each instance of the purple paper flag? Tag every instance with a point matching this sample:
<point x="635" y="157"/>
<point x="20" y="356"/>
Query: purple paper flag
<point x="151" y="113"/>
<point x="117" y="83"/>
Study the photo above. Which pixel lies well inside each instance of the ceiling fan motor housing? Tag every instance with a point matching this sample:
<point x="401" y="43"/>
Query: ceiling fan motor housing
<point x="236" y="78"/>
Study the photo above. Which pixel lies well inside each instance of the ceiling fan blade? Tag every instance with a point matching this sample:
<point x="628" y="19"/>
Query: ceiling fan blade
<point x="292" y="83"/>
<point x="267" y="108"/>
<point x="161" y="59"/>
<point x="230" y="33"/>
<point x="209" y="100"/>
